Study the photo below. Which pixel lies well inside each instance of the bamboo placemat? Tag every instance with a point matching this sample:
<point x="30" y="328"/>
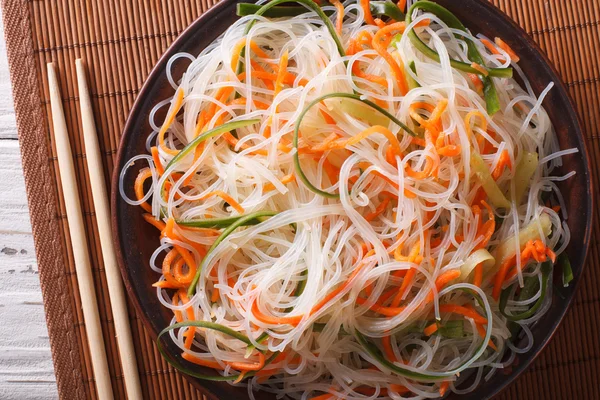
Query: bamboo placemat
<point x="120" y="40"/>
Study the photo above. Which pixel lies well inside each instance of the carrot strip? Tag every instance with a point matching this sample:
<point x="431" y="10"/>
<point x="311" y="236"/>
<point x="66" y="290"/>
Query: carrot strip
<point x="366" y="7"/>
<point x="175" y="302"/>
<point x="380" y="43"/>
<point x="478" y="275"/>
<point x="258" y="67"/>
<point x="431" y="329"/>
<point x="242" y="101"/>
<point x="189" y="334"/>
<point x="166" y="285"/>
<point x="380" y="209"/>
<point x="490" y="46"/>
<point x="470" y="116"/>
<point x="285" y="180"/>
<point x="156" y="159"/>
<point x="340" y="15"/>
<point x="394" y="143"/>
<point x="387" y="311"/>
<point x="476" y="82"/>
<point x="386" y="341"/>
<point x="176" y="106"/>
<point x="138" y="186"/>
<point x="504" y="161"/>
<point x="281" y="73"/>
<point x="154" y="222"/>
<point x="444" y="388"/>
<point x="255" y="366"/>
<point x="504" y="46"/>
<point x="481" y="331"/>
<point x="442" y="281"/>
<point x="166" y="268"/>
<point x="201" y="361"/>
<point x="227" y="198"/>
<point x="480" y="68"/>
<point x="326" y="396"/>
<point x="461" y="310"/>
<point x="399" y="389"/>
<point x="416" y="249"/>
<point x="449" y="151"/>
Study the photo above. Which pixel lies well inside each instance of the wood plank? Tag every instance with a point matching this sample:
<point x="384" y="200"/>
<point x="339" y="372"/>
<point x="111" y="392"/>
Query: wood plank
<point x="26" y="369"/>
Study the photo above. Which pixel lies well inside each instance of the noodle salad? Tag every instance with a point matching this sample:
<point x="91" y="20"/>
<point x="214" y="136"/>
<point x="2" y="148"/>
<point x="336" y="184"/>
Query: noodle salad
<point x="354" y="200"/>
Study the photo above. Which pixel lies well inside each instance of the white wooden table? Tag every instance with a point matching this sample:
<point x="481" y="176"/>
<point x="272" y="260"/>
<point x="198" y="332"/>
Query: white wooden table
<point x="26" y="370"/>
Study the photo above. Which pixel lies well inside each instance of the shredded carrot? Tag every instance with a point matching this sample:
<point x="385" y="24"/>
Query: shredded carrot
<point x="433" y="122"/>
<point x="386" y="342"/>
<point x="201" y="361"/>
<point x="175" y="302"/>
<point x="288" y="79"/>
<point x="402" y="5"/>
<point x="504" y="161"/>
<point x="167" y="266"/>
<point x="242" y="101"/>
<point x="327" y="117"/>
<point x="367" y="11"/>
<point x="156" y="159"/>
<point x="556" y="209"/>
<point x="285" y="180"/>
<point x="399" y="389"/>
<point x="257" y="67"/>
<point x="480" y="68"/>
<point x="281" y="73"/>
<point x="480" y="195"/>
<point x="255" y="366"/>
<point x="482" y="331"/>
<point x="340" y="15"/>
<point x="444" y="388"/>
<point x="478" y="275"/>
<point x="138" y="186"/>
<point x="364" y="37"/>
<point x="383" y="310"/>
<point x="533" y="250"/>
<point x="504" y="46"/>
<point x="442" y="281"/>
<point x="380" y="43"/>
<point x="153" y="221"/>
<point x="470" y="116"/>
<point x="394" y="143"/>
<point x="490" y="46"/>
<point x="227" y="198"/>
<point x="486" y="230"/>
<point x="380" y="209"/>
<point x="449" y="151"/>
<point x="166" y="285"/>
<point x="326" y="396"/>
<point x="431" y="329"/>
<point x="407" y="281"/>
<point x="175" y="107"/>
<point x="189" y="334"/>
<point x="464" y="311"/>
<point x="476" y="82"/>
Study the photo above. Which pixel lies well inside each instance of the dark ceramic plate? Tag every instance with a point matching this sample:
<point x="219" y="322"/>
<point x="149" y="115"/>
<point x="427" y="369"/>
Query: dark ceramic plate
<point x="136" y="240"/>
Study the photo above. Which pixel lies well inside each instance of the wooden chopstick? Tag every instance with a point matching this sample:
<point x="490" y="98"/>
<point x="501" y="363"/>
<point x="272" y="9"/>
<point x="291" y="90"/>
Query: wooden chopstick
<point x="81" y="255"/>
<point x="113" y="276"/>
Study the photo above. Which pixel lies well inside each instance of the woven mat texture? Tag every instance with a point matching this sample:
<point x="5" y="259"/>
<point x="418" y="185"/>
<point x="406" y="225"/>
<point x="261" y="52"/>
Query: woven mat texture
<point x="121" y="40"/>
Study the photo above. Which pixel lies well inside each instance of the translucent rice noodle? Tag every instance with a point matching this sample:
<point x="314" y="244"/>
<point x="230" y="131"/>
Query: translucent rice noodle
<point x="351" y="254"/>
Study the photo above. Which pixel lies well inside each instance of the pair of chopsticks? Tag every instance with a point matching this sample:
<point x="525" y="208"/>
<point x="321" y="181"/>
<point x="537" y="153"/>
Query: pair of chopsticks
<point x="79" y="244"/>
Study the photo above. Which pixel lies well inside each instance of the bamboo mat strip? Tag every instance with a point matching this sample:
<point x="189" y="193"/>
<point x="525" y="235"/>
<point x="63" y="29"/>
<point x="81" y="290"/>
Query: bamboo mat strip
<point x="120" y="41"/>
